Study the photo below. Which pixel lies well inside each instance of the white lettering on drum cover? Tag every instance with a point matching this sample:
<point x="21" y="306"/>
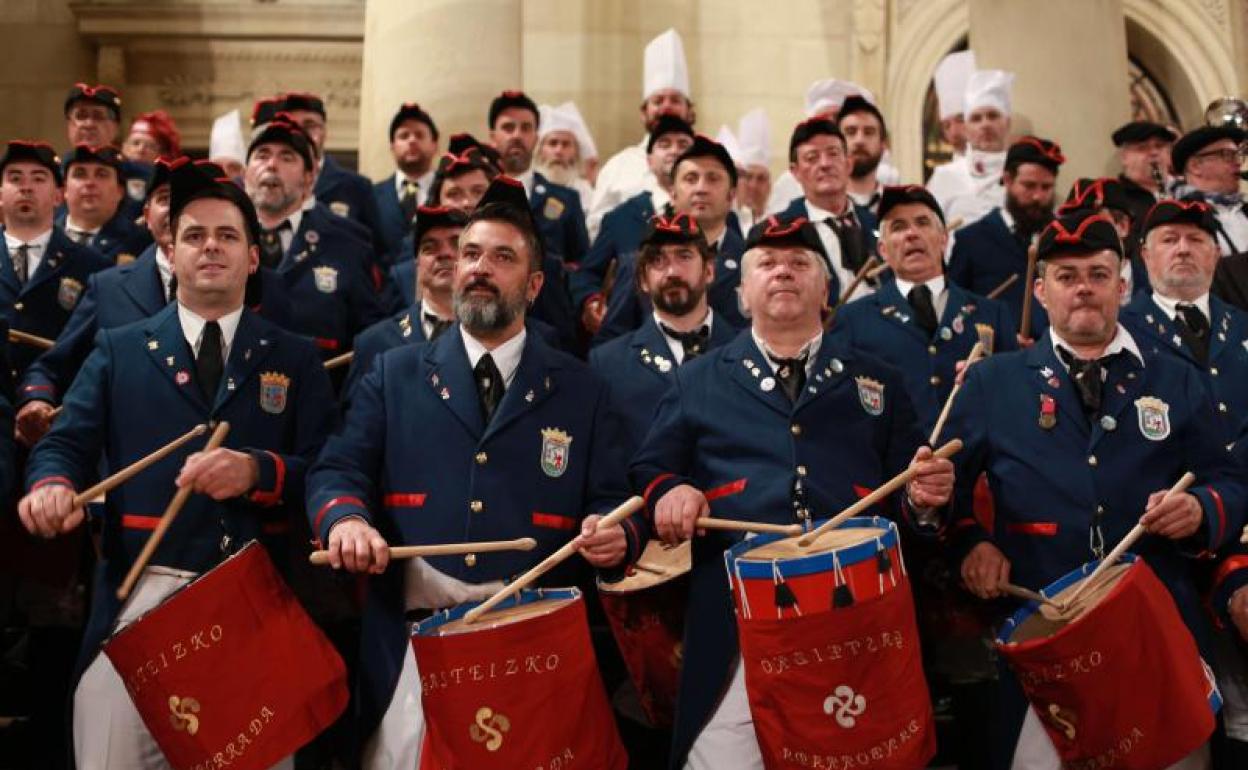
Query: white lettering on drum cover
<point x="176" y="652"/>
<point x="1061" y="671"/>
<point x="502" y="668"/>
<point x="1112" y="756"/>
<point x="867" y="757"/>
<point x="237" y="747"/>
<point x="874" y="644"/>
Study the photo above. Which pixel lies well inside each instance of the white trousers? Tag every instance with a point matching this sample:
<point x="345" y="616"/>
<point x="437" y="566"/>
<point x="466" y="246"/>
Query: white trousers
<point x="1035" y="750"/>
<point x="728" y="740"/>
<point x="1232" y="673"/>
<point x="109" y="734"/>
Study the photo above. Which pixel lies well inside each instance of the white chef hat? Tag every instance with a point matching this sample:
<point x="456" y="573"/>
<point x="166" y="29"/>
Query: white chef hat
<point x="730" y="143"/>
<point x="950" y="81"/>
<point x="226" y="139"/>
<point x="831" y="94"/>
<point x="566" y="117"/>
<point x="754" y="136"/>
<point x="665" y="65"/>
<point x="989" y="88"/>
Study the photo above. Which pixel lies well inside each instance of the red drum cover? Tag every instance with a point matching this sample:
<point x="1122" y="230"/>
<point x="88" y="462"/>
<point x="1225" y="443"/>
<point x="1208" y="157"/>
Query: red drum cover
<point x="230" y="671"/>
<point x="1121" y="686"/>
<point x="523" y="695"/>
<point x="840" y="688"/>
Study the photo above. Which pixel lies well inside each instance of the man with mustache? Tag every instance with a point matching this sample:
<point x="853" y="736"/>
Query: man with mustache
<point x="499" y="400"/>
<point x="95" y="194"/>
<point x="414" y="146"/>
<point x="1209" y="159"/>
<point x="93" y="118"/>
<point x="969" y="187"/>
<point x="988" y="251"/>
<point x="513" y="121"/>
<point x="1144" y="154"/>
<point x="1079" y="435"/>
<point x="866" y="136"/>
<point x="565" y="149"/>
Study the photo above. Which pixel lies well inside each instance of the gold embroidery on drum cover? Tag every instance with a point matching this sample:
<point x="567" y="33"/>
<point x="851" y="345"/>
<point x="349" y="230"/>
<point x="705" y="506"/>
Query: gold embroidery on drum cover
<point x="489" y="728"/>
<point x="183" y="711"/>
<point x="1063" y="719"/>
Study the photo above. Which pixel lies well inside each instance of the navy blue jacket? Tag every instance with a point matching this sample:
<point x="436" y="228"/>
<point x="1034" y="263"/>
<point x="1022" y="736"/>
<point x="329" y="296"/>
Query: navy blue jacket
<point x="1226" y="373"/>
<point x="116" y="235"/>
<point x="720" y="429"/>
<point x="985" y="254"/>
<point x="869" y="226"/>
<point x="391" y="228"/>
<point x="882" y="324"/>
<point x="43" y="305"/>
<point x="276" y="397"/>
<point x="115" y="297"/>
<point x="619" y="238"/>
<point x="350" y="196"/>
<point x="560" y="220"/>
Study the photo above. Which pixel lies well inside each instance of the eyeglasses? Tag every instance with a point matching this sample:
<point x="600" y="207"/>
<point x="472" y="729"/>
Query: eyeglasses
<point x="1224" y="155"/>
<point x="83" y="115"/>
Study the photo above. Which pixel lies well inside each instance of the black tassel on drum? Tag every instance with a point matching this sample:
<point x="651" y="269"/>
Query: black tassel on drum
<point x="842" y="596"/>
<point x="785" y="599"/>
<point x="883" y="562"/>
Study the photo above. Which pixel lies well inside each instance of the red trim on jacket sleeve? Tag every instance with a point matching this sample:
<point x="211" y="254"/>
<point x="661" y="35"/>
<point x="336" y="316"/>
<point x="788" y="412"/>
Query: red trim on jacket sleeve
<point x="724" y="490"/>
<point x="47" y="481"/>
<point x="553" y="521"/>
<point x="1224" y="570"/>
<point x="1041" y="528"/>
<point x="274" y="496"/>
<point x="325" y="343"/>
<point x="657" y="481"/>
<point x="320" y="515"/>
<point x="1217" y="500"/>
<point x="139" y="521"/>
<point x="404" y="500"/>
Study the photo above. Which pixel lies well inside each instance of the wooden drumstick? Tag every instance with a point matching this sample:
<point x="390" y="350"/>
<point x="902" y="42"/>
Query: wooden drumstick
<point x="175" y="505"/>
<point x="859" y="277"/>
<point x="977" y="353"/>
<point x="732" y="525"/>
<point x="1135" y="534"/>
<point x="136" y="467"/>
<point x="1027" y="593"/>
<point x="1024" y="325"/>
<point x="30" y="339"/>
<point x="641" y="566"/>
<point x="321" y="558"/>
<point x="625" y="510"/>
<point x="1243" y="536"/>
<point x="878" y="271"/>
<point x="1001" y="287"/>
<point x="341" y="360"/>
<point x="881" y="492"/>
<point x="955" y="223"/>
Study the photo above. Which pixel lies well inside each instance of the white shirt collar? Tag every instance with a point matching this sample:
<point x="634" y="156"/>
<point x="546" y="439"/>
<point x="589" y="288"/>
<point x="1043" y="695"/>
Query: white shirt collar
<point x="816" y="214"/>
<point x="673" y="344"/>
<point x="936" y="285"/>
<point x="1122" y="341"/>
<point x="193" y="328"/>
<point x="70" y="224"/>
<point x="36" y="244"/>
<point x="165" y="268"/>
<point x="1009" y="220"/>
<point x="810" y="350"/>
<point x="1170" y="306"/>
<point x="866" y="199"/>
<point x="526" y="179"/>
<point x="506" y="356"/>
<point x="425" y="324"/>
<point x="424" y="182"/>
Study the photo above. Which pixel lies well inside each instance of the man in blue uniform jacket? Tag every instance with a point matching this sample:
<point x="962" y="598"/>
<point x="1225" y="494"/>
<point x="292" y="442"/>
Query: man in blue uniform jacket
<point x="95" y="194"/>
<point x="675" y="269"/>
<point x="486" y="433"/>
<point x="1180" y="316"/>
<point x="783" y="421"/>
<point x="323" y="267"/>
<point x="42" y="272"/>
<point x="205" y="358"/>
<point x="989" y="250"/>
<point x="414" y="145"/>
<point x="917" y="321"/>
<point x="1080" y="434"/>
<point x="121" y="295"/>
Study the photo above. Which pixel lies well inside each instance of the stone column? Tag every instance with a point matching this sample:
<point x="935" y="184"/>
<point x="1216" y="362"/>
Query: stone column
<point x="450" y="56"/>
<point x="1070" y="58"/>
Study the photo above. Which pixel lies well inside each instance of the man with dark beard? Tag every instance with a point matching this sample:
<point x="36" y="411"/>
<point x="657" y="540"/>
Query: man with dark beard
<point x="988" y="251"/>
<point x="866" y="135"/>
<point x="414" y="146"/>
<point x="498" y="400"/>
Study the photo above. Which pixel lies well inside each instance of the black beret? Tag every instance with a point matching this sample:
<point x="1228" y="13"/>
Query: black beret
<point x="1096" y="194"/>
<point x="412" y="111"/>
<point x="1080" y="233"/>
<point x="857" y="103"/>
<point x="190" y="182"/>
<point x="1139" y="131"/>
<point x="34" y="152"/>
<point x="264" y="110"/>
<point x="1198" y="139"/>
<point x="680" y="228"/>
<point x="1168" y="211"/>
<point x="808" y="129"/>
<point x="297" y="100"/>
<point x="105" y="96"/>
<point x="430" y="217"/>
<point x="506" y="193"/>
<point x="105" y="156"/>
<point x="705" y="147"/>
<point x="1033" y="149"/>
<point x="796" y="232"/>
<point x="509" y="99"/>
<point x="908" y="193"/>
<point x="458" y="144"/>
<point x="668" y="123"/>
<point x="281" y="129"/>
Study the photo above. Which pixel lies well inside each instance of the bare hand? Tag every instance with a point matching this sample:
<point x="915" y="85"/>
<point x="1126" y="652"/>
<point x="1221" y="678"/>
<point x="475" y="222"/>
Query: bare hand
<point x="49" y="511"/>
<point x="932" y="484"/>
<point x="602" y="547"/>
<point x="592" y="313"/>
<point x="1176" y="518"/>
<point x="34" y="419"/>
<point x="1024" y="341"/>
<point x="1239" y="611"/>
<point x="676" y="512"/>
<point x="356" y="547"/>
<point x="221" y="474"/>
<point x="984" y="570"/>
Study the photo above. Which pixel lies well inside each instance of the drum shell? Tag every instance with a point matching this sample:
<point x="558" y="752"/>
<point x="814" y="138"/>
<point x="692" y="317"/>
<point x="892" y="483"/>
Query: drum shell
<point x="1121" y="686"/>
<point x="649" y="628"/>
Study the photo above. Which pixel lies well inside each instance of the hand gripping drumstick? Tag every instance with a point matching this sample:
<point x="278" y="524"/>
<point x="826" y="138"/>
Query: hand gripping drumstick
<point x="175" y="505"/>
<point x="1001" y="287"/>
<point x="136" y="467"/>
<point x="881" y="492"/>
<point x="30" y="339"/>
<point x="1024" y="324"/>
<point x="1135" y="534"/>
<point x="341" y="360"/>
<point x="1027" y="593"/>
<point x="321" y="558"/>
<point x="977" y="353"/>
<point x="625" y="510"/>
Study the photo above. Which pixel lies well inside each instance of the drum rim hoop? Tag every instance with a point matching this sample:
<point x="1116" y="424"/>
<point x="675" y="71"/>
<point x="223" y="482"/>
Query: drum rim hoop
<point x="815" y="562"/>
<point x="1031" y="607"/>
<point x="525" y="596"/>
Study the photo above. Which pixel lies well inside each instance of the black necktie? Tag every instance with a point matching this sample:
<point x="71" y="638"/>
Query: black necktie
<point x="920" y="299"/>
<point x="271" y="251"/>
<point x="489" y="385"/>
<point x="409" y="200"/>
<point x="21" y="263"/>
<point x="853" y="253"/>
<point x="437" y="325"/>
<point x="693" y="342"/>
<point x="209" y="364"/>
<point x="1194" y="329"/>
<point x="1088" y="376"/>
<point x="791" y="372"/>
